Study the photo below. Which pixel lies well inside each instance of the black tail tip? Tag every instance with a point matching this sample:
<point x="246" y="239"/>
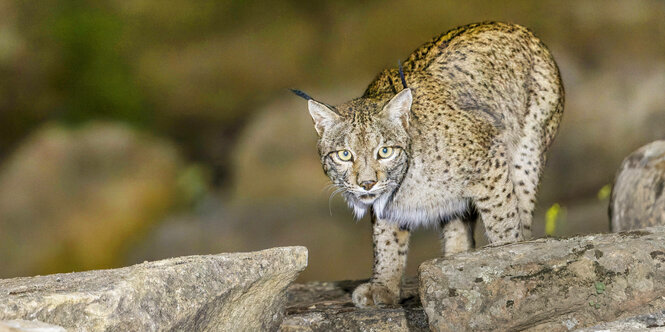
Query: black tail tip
<point x="301" y="94"/>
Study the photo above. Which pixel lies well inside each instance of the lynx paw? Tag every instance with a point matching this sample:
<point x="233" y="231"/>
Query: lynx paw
<point x="374" y="294"/>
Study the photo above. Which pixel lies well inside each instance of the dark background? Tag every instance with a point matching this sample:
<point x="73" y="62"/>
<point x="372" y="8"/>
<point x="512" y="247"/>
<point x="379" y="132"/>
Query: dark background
<point x="139" y="130"/>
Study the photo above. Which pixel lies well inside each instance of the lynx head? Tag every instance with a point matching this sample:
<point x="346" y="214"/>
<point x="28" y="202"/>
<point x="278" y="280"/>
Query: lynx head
<point x="364" y="147"/>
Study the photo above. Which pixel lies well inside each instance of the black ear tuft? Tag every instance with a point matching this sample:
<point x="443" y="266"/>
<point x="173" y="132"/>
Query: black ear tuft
<point x="401" y="74"/>
<point x="301" y="94"/>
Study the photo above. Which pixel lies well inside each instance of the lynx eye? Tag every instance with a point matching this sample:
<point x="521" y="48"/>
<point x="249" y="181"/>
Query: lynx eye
<point x="344" y="155"/>
<point x="386" y="152"/>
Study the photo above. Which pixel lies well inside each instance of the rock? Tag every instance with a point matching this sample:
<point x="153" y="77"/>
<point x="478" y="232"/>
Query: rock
<point x="547" y="284"/>
<point x="225" y="292"/>
<point x="638" y="323"/>
<point x="270" y="169"/>
<point x="638" y="198"/>
<point x="327" y="306"/>
<point x="20" y="325"/>
<point x="75" y="199"/>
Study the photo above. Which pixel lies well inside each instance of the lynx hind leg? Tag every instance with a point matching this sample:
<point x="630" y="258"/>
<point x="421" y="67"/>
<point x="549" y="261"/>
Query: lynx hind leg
<point x="544" y="110"/>
<point x="496" y="201"/>
<point x="526" y="170"/>
<point x="391" y="245"/>
<point x="457" y="234"/>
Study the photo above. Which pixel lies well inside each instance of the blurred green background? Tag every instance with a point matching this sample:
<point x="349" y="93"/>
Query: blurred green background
<point x="140" y="130"/>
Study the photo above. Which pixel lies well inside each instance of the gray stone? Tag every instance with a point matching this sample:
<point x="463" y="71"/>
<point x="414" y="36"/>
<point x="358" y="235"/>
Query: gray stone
<point x="20" y="325"/>
<point x="638" y="194"/>
<point x="547" y="284"/>
<point x="226" y="292"/>
<point x="651" y="322"/>
<point x="327" y="306"/>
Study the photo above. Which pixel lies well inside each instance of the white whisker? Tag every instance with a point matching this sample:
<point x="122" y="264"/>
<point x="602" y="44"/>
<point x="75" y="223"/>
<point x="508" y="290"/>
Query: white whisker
<point x="337" y="191"/>
<point x="329" y="186"/>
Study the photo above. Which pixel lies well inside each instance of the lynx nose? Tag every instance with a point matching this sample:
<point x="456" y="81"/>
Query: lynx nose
<point x="367" y="185"/>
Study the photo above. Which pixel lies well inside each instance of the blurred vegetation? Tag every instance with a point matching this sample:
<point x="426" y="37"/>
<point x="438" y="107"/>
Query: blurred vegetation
<point x="209" y="79"/>
<point x="551" y="217"/>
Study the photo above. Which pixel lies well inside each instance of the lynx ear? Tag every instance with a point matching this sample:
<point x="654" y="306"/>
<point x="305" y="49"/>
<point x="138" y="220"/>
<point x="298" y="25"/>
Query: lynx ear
<point x="399" y="108"/>
<point x="323" y="116"/>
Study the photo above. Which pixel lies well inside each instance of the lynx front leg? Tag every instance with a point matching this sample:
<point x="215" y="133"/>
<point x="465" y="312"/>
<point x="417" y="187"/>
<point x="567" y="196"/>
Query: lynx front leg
<point x="457" y="235"/>
<point x="391" y="245"/>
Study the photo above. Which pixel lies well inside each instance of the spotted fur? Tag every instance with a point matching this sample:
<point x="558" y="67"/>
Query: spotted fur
<point x="469" y="136"/>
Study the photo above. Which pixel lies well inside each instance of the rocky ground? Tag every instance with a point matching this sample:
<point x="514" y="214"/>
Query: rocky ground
<point x="587" y="283"/>
<point x="327" y="306"/>
<point x="539" y="285"/>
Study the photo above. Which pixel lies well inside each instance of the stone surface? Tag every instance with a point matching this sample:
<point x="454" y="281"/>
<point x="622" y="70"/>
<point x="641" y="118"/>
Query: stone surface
<point x="638" y="194"/>
<point x="327" y="306"/>
<point x="650" y="322"/>
<point x="547" y="284"/>
<point x="20" y="325"/>
<point x="226" y="292"/>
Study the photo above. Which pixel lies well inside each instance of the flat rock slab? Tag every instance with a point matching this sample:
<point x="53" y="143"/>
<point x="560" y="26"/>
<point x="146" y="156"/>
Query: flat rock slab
<point x="226" y="292"/>
<point x="651" y="322"/>
<point x="20" y="325"/>
<point x="327" y="306"/>
<point x="547" y="284"/>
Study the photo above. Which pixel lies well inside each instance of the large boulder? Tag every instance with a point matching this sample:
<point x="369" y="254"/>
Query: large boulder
<point x="547" y="284"/>
<point x="76" y="199"/>
<point x="638" y="195"/>
<point x="226" y="292"/>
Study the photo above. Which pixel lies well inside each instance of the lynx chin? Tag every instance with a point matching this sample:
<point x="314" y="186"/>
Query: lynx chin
<point x="459" y="134"/>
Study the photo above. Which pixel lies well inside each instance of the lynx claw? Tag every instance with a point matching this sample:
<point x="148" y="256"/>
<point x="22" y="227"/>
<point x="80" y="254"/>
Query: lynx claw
<point x="374" y="294"/>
